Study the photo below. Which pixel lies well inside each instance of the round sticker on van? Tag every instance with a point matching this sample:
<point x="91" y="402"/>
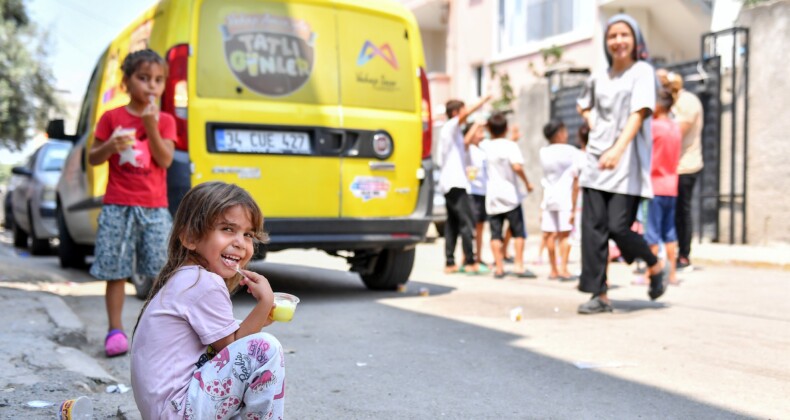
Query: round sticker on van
<point x="269" y="54"/>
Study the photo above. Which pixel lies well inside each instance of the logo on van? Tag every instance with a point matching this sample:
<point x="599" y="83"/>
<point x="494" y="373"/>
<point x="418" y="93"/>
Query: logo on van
<point x="269" y="54"/>
<point x="370" y="51"/>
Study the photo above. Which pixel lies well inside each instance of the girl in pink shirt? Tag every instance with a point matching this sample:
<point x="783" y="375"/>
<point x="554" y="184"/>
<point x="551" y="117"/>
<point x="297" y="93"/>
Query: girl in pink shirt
<point x="190" y="357"/>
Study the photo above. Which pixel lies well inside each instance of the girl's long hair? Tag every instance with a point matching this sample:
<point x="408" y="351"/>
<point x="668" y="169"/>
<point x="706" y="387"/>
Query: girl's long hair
<point x="196" y="216"/>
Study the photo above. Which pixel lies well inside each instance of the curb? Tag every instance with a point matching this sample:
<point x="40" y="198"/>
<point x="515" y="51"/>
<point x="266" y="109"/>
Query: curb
<point x="69" y="330"/>
<point x="743" y="263"/>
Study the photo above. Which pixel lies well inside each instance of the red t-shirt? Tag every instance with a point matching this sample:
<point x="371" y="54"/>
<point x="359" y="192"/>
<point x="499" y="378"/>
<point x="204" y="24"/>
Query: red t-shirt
<point x="135" y="178"/>
<point x="666" y="155"/>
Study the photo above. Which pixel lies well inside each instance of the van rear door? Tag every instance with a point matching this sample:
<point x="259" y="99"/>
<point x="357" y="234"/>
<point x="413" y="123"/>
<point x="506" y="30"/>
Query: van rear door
<point x="379" y="95"/>
<point x="263" y="87"/>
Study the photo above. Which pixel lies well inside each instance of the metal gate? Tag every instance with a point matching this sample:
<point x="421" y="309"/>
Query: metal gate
<point x="702" y="78"/>
<point x="565" y="86"/>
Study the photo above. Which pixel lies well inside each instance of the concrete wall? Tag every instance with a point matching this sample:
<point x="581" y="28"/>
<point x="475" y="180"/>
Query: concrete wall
<point x="434" y="43"/>
<point x="768" y="211"/>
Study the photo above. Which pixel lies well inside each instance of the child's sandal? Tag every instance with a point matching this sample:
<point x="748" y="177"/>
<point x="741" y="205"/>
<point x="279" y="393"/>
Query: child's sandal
<point x="116" y="343"/>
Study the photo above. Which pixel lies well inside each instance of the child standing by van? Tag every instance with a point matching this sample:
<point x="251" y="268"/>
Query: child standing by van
<point x="219" y="368"/>
<point x="138" y="142"/>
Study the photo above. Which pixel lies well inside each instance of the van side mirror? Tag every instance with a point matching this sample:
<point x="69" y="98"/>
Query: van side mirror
<point x="56" y="130"/>
<point x="21" y="170"/>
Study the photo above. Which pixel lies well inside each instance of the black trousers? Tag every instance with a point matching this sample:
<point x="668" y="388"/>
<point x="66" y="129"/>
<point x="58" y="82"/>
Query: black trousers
<point x="460" y="221"/>
<point x="683" y="222"/>
<point x="608" y="215"/>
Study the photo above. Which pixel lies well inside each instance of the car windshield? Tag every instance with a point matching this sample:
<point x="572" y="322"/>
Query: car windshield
<point x="53" y="159"/>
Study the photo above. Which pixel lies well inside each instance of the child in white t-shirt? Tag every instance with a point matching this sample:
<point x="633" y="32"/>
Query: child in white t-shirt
<point x="504" y="166"/>
<point x="474" y="137"/>
<point x="560" y="183"/>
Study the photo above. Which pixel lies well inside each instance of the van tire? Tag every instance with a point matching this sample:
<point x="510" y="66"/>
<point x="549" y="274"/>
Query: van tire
<point x="37" y="246"/>
<point x="393" y="267"/>
<point x="70" y="253"/>
<point x="20" y="237"/>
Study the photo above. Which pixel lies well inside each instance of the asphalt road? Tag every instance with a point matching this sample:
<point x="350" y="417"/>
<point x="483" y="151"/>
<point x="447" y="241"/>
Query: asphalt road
<point x="715" y="347"/>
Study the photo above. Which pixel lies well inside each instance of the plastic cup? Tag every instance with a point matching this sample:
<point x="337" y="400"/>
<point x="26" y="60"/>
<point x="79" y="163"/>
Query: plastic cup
<point x="78" y="408"/>
<point x="129" y="133"/>
<point x="285" y="305"/>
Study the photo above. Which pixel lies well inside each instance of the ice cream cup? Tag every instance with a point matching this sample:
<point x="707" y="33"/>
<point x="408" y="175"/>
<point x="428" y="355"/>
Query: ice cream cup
<point x="285" y="305"/>
<point x="129" y="133"/>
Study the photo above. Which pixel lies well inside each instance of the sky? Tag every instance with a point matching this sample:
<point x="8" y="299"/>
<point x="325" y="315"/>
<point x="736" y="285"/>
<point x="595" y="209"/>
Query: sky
<point x="79" y="30"/>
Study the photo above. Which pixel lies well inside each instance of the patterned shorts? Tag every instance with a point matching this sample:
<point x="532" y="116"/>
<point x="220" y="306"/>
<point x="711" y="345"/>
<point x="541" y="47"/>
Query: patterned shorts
<point x="130" y="236"/>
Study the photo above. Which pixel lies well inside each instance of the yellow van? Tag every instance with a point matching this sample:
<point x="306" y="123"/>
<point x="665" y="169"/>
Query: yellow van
<point x="319" y="108"/>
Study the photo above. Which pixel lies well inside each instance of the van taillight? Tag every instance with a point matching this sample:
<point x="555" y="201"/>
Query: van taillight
<point x="427" y="121"/>
<point x="176" y="96"/>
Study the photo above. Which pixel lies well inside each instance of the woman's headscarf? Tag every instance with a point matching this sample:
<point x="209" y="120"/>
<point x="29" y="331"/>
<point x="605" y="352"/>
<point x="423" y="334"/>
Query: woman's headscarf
<point x="640" y="48"/>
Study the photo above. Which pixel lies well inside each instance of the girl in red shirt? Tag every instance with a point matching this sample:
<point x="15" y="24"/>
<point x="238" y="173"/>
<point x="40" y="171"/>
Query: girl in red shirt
<point x="137" y="140"/>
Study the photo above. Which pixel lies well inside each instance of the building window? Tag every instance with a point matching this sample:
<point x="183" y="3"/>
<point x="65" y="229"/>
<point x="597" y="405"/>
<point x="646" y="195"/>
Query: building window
<point x="523" y="22"/>
<point x="477" y="86"/>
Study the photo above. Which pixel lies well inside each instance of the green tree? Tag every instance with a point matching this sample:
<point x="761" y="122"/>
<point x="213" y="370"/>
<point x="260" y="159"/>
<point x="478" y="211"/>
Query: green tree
<point x="27" y="91"/>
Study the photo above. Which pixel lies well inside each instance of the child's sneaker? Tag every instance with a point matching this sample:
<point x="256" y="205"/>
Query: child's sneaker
<point x="116" y="343"/>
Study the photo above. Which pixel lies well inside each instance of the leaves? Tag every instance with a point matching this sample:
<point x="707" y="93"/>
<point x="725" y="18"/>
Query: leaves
<point x="506" y="95"/>
<point x="26" y="81"/>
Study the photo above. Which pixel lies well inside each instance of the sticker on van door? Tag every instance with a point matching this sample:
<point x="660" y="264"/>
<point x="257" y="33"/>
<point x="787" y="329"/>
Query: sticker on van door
<point x="269" y="54"/>
<point x="370" y="187"/>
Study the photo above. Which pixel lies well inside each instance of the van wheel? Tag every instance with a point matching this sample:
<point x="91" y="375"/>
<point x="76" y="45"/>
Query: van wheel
<point x="392" y="269"/>
<point x="20" y="237"/>
<point x="37" y="246"/>
<point x="70" y="253"/>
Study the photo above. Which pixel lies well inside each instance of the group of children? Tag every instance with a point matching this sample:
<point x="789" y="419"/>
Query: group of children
<point x="494" y="168"/>
<point x="220" y="368"/>
<point x="490" y="170"/>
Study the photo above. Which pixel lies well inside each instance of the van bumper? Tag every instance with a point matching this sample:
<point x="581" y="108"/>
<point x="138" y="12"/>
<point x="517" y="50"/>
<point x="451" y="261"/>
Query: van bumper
<point x="352" y="234"/>
<point x="345" y="234"/>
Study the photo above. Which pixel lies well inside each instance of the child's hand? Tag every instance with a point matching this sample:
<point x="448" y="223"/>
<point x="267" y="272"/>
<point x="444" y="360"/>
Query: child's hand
<point x="530" y="187"/>
<point x="515" y="133"/>
<point x="257" y="285"/>
<point x="150" y="114"/>
<point x="120" y="140"/>
<point x="610" y="158"/>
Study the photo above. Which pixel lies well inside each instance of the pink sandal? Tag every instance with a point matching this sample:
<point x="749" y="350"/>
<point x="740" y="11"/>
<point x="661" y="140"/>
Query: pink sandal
<point x="116" y="343"/>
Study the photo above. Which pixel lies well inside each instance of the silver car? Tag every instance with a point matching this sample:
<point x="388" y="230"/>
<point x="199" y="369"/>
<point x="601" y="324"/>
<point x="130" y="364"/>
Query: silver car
<point x="33" y="200"/>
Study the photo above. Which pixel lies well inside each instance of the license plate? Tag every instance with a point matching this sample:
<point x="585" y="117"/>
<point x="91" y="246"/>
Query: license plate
<point x="262" y="141"/>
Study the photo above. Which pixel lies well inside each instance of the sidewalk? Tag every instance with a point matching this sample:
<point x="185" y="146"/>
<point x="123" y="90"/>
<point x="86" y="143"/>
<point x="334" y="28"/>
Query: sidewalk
<point x="773" y="256"/>
<point x="41" y="359"/>
<point x="42" y="343"/>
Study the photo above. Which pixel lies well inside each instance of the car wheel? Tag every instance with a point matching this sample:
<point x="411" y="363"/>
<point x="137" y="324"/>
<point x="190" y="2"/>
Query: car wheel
<point x="37" y="246"/>
<point x="142" y="285"/>
<point x="392" y="269"/>
<point x="20" y="236"/>
<point x="70" y="253"/>
<point x="439" y="228"/>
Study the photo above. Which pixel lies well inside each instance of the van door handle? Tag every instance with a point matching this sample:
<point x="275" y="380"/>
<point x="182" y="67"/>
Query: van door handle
<point x="381" y="166"/>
